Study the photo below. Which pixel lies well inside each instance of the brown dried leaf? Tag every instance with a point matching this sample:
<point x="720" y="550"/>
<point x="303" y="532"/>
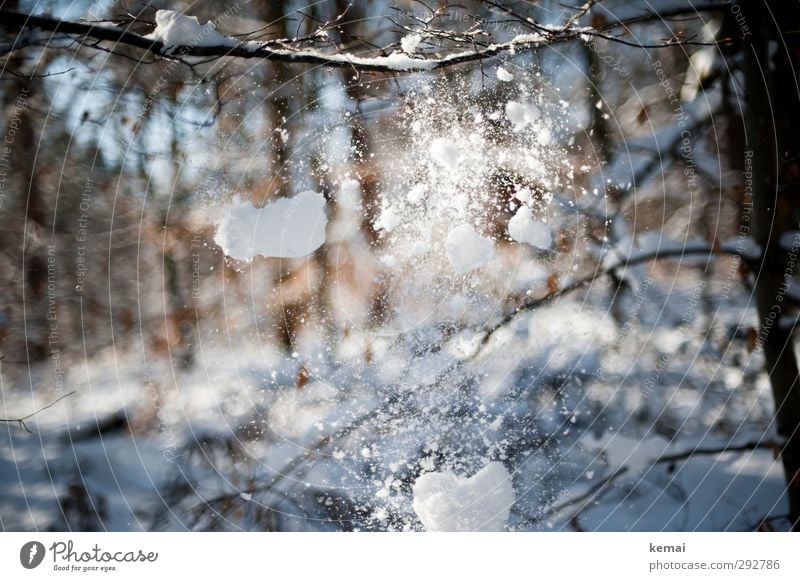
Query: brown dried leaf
<point x="552" y="283"/>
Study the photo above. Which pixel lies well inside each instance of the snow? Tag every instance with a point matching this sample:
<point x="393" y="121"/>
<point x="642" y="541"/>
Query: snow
<point x="388" y="220"/>
<point x="410" y="43"/>
<point x="504" y="75"/>
<point x="286" y="228"/>
<point x="405" y="396"/>
<point x="446" y="503"/>
<point x="620" y="450"/>
<point x="417" y="193"/>
<point x="533" y="39"/>
<point x="445" y="152"/>
<point x="299" y="410"/>
<point x="397" y="61"/>
<point x="522" y="115"/>
<point x="524" y="228"/>
<point x="468" y="250"/>
<point x="176" y="29"/>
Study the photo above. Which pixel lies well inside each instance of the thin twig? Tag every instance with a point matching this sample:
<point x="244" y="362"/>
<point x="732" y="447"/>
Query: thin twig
<point x="21" y="421"/>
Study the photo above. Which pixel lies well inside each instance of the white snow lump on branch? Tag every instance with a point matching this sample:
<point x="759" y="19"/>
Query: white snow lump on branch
<point x="287" y="228"/>
<point x="446" y="503"/>
<point x="176" y="29"/>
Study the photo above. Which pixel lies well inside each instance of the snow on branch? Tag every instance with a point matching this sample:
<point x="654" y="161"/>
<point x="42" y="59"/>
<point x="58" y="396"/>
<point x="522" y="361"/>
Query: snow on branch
<point x="177" y="35"/>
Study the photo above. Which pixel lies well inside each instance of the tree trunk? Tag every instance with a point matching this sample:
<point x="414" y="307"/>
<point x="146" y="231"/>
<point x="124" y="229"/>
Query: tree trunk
<point x="772" y="120"/>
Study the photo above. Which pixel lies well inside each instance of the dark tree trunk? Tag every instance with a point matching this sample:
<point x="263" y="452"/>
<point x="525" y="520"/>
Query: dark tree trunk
<point x="772" y="120"/>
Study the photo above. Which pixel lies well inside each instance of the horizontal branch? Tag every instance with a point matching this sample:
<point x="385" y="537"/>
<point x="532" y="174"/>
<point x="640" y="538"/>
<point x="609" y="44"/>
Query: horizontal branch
<point x="393" y="63"/>
<point x="588" y="497"/>
<point x="756" y="445"/>
<point x="531" y="304"/>
<point x="21" y="421"/>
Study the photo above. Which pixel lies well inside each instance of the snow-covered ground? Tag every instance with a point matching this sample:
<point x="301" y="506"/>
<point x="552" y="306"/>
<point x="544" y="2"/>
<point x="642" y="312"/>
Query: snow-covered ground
<point x="555" y="434"/>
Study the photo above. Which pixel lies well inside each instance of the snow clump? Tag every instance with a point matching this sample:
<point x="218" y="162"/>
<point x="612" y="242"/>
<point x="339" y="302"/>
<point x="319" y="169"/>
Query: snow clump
<point x="287" y="228"/>
<point x="467" y="250"/>
<point x="481" y="503"/>
<point x="524" y="228"/>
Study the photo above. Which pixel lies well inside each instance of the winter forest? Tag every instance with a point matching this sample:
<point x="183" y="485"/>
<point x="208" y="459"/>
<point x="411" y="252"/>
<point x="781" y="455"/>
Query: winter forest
<point x="402" y="265"/>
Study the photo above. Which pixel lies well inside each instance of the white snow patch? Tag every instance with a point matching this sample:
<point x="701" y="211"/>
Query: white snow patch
<point x="620" y="450"/>
<point x="410" y="43"/>
<point x="397" y="61"/>
<point x="445" y="502"/>
<point x="524" y="195"/>
<point x="417" y="194"/>
<point x="287" y="228"/>
<point x="295" y="412"/>
<point x="504" y="75"/>
<point x="176" y="29"/>
<point x="445" y="152"/>
<point x="523" y="227"/>
<point x="467" y="250"/>
<point x="388" y="220"/>
<point x="349" y="195"/>
<point x="522" y="115"/>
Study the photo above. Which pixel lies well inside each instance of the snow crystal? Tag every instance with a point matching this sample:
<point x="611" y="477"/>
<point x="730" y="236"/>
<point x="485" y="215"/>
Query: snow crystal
<point x="286" y="228"/>
<point x="504" y="75"/>
<point x="410" y="43"/>
<point x="523" y="227"/>
<point x="176" y="29"/>
<point x="445" y="502"/>
<point x="468" y="250"/>
<point x="445" y="152"/>
<point x="522" y="115"/>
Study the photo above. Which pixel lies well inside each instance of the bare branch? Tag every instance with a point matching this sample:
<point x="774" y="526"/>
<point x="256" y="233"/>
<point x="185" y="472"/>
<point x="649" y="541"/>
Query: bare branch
<point x="21" y="421"/>
<point x="531" y="304"/>
<point x="756" y="445"/>
<point x="289" y="52"/>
